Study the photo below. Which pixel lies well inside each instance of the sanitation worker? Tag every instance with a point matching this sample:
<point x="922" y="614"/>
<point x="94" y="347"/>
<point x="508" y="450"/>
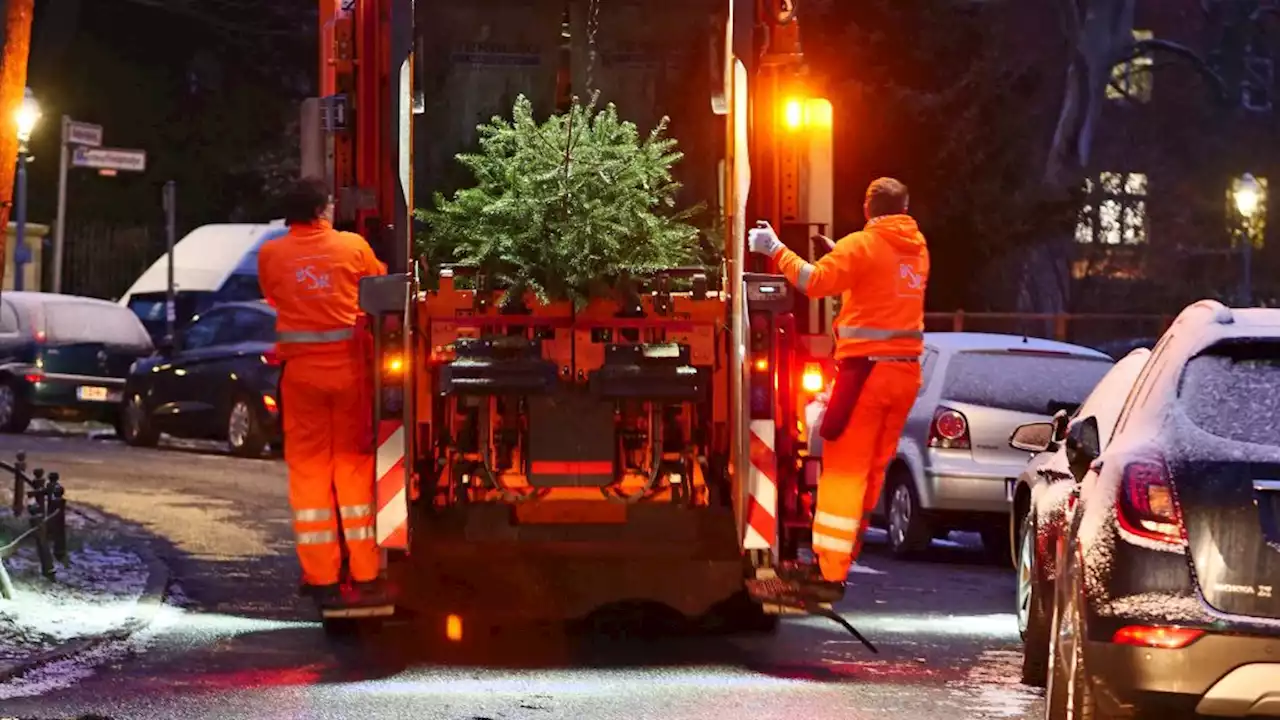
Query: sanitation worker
<point x="880" y="274"/>
<point x="312" y="275"/>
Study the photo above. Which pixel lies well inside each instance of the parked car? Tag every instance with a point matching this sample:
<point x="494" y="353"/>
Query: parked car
<point x="1040" y="502"/>
<point x="220" y="381"/>
<point x="64" y="357"/>
<point x="1165" y="601"/>
<point x="954" y="469"/>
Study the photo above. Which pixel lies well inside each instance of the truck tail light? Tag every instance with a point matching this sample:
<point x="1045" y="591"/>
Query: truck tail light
<point x="812" y="381"/>
<point x="949" y="430"/>
<point x="1147" y="506"/>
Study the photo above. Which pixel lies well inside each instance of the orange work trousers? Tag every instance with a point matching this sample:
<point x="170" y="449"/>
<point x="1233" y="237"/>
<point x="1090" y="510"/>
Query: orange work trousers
<point x="855" y="460"/>
<point x="330" y="467"/>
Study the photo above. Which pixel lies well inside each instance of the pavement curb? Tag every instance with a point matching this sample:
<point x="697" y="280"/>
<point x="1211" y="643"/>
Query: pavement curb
<point x="148" y="605"/>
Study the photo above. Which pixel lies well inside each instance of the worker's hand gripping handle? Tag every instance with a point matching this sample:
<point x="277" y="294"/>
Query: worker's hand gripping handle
<point x="763" y="241"/>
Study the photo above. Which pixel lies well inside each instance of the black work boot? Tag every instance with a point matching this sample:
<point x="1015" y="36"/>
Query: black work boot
<point x="323" y="595"/>
<point x="371" y="593"/>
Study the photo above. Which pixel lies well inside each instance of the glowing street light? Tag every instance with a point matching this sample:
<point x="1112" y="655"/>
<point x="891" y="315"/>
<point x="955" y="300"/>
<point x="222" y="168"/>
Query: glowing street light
<point x="26" y="118"/>
<point x="1248" y="197"/>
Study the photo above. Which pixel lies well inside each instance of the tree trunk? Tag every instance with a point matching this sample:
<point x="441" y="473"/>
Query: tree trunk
<point x="13" y="85"/>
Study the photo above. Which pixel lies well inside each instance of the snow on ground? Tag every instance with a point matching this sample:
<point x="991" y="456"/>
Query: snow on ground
<point x="95" y="594"/>
<point x="992" y="689"/>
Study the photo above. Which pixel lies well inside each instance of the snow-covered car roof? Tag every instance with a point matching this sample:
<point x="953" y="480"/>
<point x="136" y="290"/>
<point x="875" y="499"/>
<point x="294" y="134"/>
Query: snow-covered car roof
<point x="961" y="341"/>
<point x="1217" y="322"/>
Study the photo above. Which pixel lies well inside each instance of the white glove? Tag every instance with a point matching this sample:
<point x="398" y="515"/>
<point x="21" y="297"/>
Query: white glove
<point x="763" y="240"/>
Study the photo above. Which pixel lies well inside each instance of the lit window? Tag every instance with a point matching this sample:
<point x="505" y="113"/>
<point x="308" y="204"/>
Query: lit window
<point x="1131" y="80"/>
<point x="1115" y="211"/>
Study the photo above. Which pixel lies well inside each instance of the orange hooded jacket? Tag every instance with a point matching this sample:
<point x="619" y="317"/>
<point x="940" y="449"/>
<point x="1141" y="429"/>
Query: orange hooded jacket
<point x="880" y="273"/>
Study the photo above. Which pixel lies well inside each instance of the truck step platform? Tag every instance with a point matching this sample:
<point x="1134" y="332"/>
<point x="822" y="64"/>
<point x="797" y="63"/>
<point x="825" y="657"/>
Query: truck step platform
<point x="357" y="612"/>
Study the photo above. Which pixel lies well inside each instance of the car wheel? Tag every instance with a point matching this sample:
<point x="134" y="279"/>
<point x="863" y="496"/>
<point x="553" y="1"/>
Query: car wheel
<point x="909" y="531"/>
<point x="1032" y="623"/>
<point x="15" y="411"/>
<point x="136" y="428"/>
<point x="244" y="429"/>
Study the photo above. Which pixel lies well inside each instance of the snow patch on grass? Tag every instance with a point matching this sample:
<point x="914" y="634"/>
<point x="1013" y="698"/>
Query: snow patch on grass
<point x="95" y="594"/>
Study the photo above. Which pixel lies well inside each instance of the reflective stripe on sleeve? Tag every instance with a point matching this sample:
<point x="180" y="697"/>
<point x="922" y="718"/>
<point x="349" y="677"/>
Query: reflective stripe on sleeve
<point x="315" y="336"/>
<point x="847" y="332"/>
<point x="360" y="533"/>
<point x="835" y="522"/>
<point x="802" y="280"/>
<point x="319" y="537"/>
<point x="312" y="515"/>
<point x="355" y="511"/>
<point x="823" y="541"/>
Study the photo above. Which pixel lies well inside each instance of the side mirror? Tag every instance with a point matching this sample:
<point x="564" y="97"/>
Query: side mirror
<point x="1033" y="437"/>
<point x="1061" y="420"/>
<point x="1083" y="442"/>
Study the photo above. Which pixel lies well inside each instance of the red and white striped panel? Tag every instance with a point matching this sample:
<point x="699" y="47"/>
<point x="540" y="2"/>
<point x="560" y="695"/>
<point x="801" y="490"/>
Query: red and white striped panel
<point x="762" y="478"/>
<point x="390" y="488"/>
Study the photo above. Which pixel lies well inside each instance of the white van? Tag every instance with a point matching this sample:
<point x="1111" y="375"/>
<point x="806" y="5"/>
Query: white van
<point x="213" y="264"/>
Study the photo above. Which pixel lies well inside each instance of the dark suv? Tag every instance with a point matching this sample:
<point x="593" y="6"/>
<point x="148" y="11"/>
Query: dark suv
<point x="64" y="357"/>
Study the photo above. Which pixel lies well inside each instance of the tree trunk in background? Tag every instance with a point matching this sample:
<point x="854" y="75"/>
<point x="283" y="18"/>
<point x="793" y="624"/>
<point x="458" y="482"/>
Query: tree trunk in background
<point x="13" y="84"/>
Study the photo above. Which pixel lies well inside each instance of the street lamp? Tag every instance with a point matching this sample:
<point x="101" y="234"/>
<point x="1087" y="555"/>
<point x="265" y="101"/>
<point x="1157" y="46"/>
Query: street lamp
<point x="27" y="117"/>
<point x="1248" y="197"/>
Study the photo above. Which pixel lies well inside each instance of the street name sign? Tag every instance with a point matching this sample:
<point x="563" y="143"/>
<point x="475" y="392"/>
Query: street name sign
<point x="110" y="159"/>
<point x="85" y="134"/>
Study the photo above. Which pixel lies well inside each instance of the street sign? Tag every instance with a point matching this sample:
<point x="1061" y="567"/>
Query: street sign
<point x="85" y="134"/>
<point x="110" y="159"/>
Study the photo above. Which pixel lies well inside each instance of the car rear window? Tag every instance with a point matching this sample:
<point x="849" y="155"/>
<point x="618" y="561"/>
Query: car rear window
<point x="1232" y="390"/>
<point x="73" y="322"/>
<point x="1030" y="382"/>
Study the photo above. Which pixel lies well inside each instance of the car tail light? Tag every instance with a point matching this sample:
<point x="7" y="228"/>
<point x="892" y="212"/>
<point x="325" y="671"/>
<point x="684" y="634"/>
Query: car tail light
<point x="950" y="429"/>
<point x="812" y="381"/>
<point x="33" y="377"/>
<point x="1148" y="508"/>
<point x="1165" y="638"/>
<point x="271" y="357"/>
<point x="270" y="404"/>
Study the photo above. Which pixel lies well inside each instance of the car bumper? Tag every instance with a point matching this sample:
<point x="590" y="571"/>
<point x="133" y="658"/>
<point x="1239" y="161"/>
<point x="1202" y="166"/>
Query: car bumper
<point x="1223" y="675"/>
<point x="81" y="395"/>
<point x="968" y="490"/>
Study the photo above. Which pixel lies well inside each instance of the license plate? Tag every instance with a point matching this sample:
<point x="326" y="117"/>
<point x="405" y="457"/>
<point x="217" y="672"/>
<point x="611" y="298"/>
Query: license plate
<point x="1008" y="489"/>
<point x="92" y="393"/>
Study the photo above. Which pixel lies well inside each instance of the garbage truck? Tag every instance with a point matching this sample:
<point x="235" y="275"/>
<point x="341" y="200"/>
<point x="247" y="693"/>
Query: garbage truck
<point x="541" y="461"/>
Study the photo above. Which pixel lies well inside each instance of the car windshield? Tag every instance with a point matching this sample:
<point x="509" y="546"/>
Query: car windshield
<point x="1023" y="381"/>
<point x="75" y="322"/>
<point x="1233" y="391"/>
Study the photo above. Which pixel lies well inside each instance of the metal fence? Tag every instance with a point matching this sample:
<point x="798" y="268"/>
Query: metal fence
<point x="102" y="260"/>
<point x="41" y="498"/>
<point x="1089" y="329"/>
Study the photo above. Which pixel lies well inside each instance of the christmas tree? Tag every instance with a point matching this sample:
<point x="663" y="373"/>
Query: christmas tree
<point x="565" y="208"/>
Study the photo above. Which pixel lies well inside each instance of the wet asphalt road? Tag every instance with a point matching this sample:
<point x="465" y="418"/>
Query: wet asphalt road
<point x="239" y="644"/>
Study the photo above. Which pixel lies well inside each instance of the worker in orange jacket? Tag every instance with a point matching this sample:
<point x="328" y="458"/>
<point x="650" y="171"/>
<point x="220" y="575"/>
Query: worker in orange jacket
<point x="880" y="273"/>
<point x="312" y="276"/>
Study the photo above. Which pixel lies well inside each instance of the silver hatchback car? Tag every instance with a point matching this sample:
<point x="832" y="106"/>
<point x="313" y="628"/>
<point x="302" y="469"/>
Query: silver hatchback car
<point x="954" y="468"/>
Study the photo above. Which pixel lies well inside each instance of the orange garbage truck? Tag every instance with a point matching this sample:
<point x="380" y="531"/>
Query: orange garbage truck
<point x="537" y="461"/>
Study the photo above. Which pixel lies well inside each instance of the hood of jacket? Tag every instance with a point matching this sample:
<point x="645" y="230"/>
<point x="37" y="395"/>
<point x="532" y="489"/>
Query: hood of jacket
<point x="900" y="231"/>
